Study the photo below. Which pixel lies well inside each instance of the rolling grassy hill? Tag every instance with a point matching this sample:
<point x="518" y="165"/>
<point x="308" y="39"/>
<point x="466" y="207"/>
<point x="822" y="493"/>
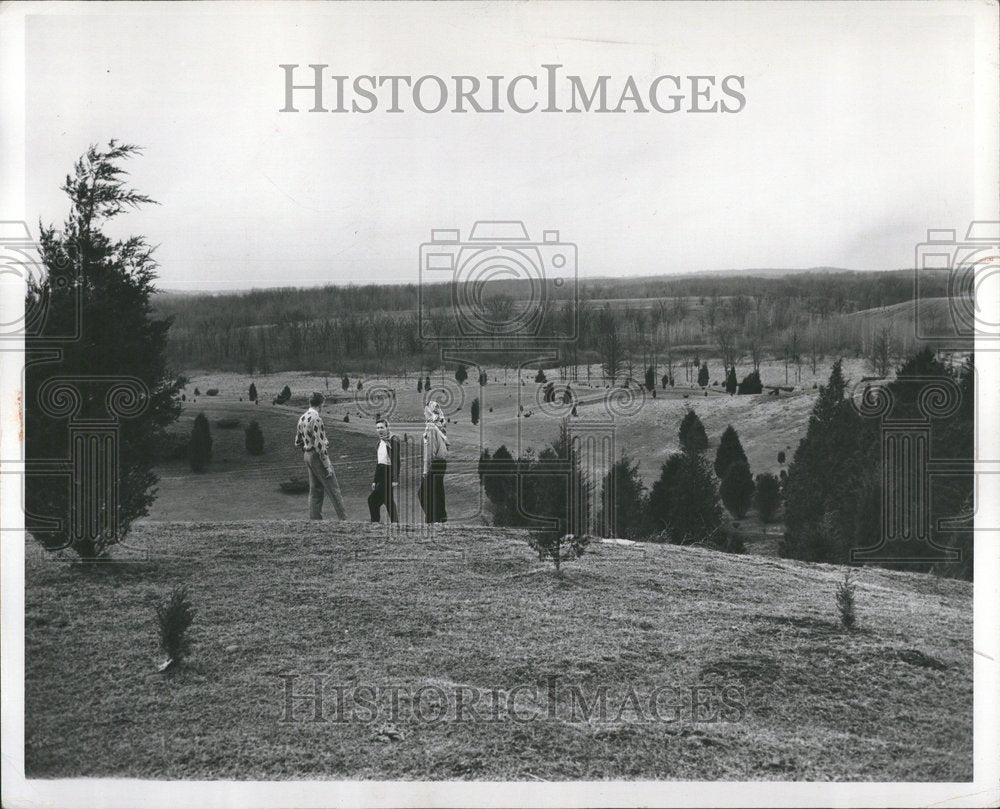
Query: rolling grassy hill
<point x="472" y="611"/>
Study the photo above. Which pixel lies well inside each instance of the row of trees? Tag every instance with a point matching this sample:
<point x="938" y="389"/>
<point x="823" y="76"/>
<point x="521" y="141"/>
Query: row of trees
<point x="840" y="483"/>
<point x="270" y="330"/>
<point x="682" y="507"/>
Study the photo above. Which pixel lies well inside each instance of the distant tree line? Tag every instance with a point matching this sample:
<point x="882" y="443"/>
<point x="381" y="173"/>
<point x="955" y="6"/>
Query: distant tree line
<point x="626" y="325"/>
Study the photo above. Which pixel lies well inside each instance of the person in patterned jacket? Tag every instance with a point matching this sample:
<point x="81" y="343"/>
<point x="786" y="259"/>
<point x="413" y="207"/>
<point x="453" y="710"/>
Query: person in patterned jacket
<point x="310" y="437"/>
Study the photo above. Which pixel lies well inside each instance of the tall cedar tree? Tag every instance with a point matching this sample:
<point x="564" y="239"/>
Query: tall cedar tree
<point x="730" y="451"/>
<point x="200" y="445"/>
<point x="737" y="489"/>
<point x="540" y="376"/>
<point x="252" y="393"/>
<point x="650" y="378"/>
<point x="822" y="485"/>
<point x="767" y="498"/>
<point x="475" y="411"/>
<point x="703" y="374"/>
<point x="345" y="383"/>
<point x="692" y="433"/>
<point x="461" y="374"/>
<point x="111" y="282"/>
<point x="731" y="382"/>
<point x="626" y="495"/>
<point x="685" y="501"/>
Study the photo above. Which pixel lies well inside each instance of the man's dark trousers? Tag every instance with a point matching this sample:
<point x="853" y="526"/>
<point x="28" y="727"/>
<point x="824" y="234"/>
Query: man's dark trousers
<point x="382" y="494"/>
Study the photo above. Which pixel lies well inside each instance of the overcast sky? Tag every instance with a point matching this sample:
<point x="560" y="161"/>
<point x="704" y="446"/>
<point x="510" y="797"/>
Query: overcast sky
<point x="857" y="135"/>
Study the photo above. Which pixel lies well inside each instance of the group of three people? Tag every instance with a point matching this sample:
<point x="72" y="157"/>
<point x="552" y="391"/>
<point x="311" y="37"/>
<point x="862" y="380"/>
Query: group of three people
<point x="311" y="439"/>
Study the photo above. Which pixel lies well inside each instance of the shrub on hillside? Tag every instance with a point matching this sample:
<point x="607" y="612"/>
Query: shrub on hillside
<point x="197" y="392"/>
<point x="845" y="600"/>
<point x="174" y="617"/>
<point x="767" y="497"/>
<point x="730" y="451"/>
<point x="540" y="377"/>
<point x="254" y="439"/>
<point x="692" y="433"/>
<point x="684" y="501"/>
<point x="212" y="392"/>
<point x="751" y="384"/>
<point x="557" y="547"/>
<point x="200" y="445"/>
<point x="625" y="512"/>
<point x="737" y="489"/>
<point x="227" y="424"/>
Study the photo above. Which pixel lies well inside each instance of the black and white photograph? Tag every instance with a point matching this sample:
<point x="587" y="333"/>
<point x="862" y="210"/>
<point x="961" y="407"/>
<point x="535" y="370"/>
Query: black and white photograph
<point x="500" y="403"/>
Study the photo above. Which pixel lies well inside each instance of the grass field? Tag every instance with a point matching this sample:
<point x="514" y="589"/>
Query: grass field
<point x="474" y="609"/>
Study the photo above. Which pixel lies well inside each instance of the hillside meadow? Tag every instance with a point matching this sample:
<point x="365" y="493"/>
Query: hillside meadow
<point x="238" y="486"/>
<point x="473" y="611"/>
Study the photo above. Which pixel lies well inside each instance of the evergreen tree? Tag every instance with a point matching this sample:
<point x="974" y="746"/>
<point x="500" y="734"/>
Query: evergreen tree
<point x="475" y="410"/>
<point x="461" y="374"/>
<point x="730" y="451"/>
<point x="751" y="384"/>
<point x="253" y="392"/>
<point x="823" y="475"/>
<point x="737" y="489"/>
<point x="692" y="433"/>
<point x="200" y="445"/>
<point x="345" y="383"/>
<point x="499" y="478"/>
<point x="540" y="376"/>
<point x="731" y="382"/>
<point x="556" y="486"/>
<point x="663" y="381"/>
<point x="684" y="500"/>
<point x="254" y="439"/>
<point x="420" y="385"/>
<point x="427" y="383"/>
<point x="650" y="378"/>
<point x="767" y="498"/>
<point x="626" y="495"/>
<point x="102" y="289"/>
<point x="703" y="374"/>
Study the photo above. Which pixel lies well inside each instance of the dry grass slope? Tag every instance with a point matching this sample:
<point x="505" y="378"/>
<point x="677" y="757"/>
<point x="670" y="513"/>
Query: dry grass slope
<point x="474" y="607"/>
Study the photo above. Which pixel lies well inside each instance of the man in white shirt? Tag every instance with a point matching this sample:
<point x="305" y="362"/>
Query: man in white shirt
<point x="386" y="478"/>
<point x="310" y="437"/>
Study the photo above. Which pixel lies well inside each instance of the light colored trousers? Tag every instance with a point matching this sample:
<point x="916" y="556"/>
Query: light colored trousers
<point x="320" y="483"/>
